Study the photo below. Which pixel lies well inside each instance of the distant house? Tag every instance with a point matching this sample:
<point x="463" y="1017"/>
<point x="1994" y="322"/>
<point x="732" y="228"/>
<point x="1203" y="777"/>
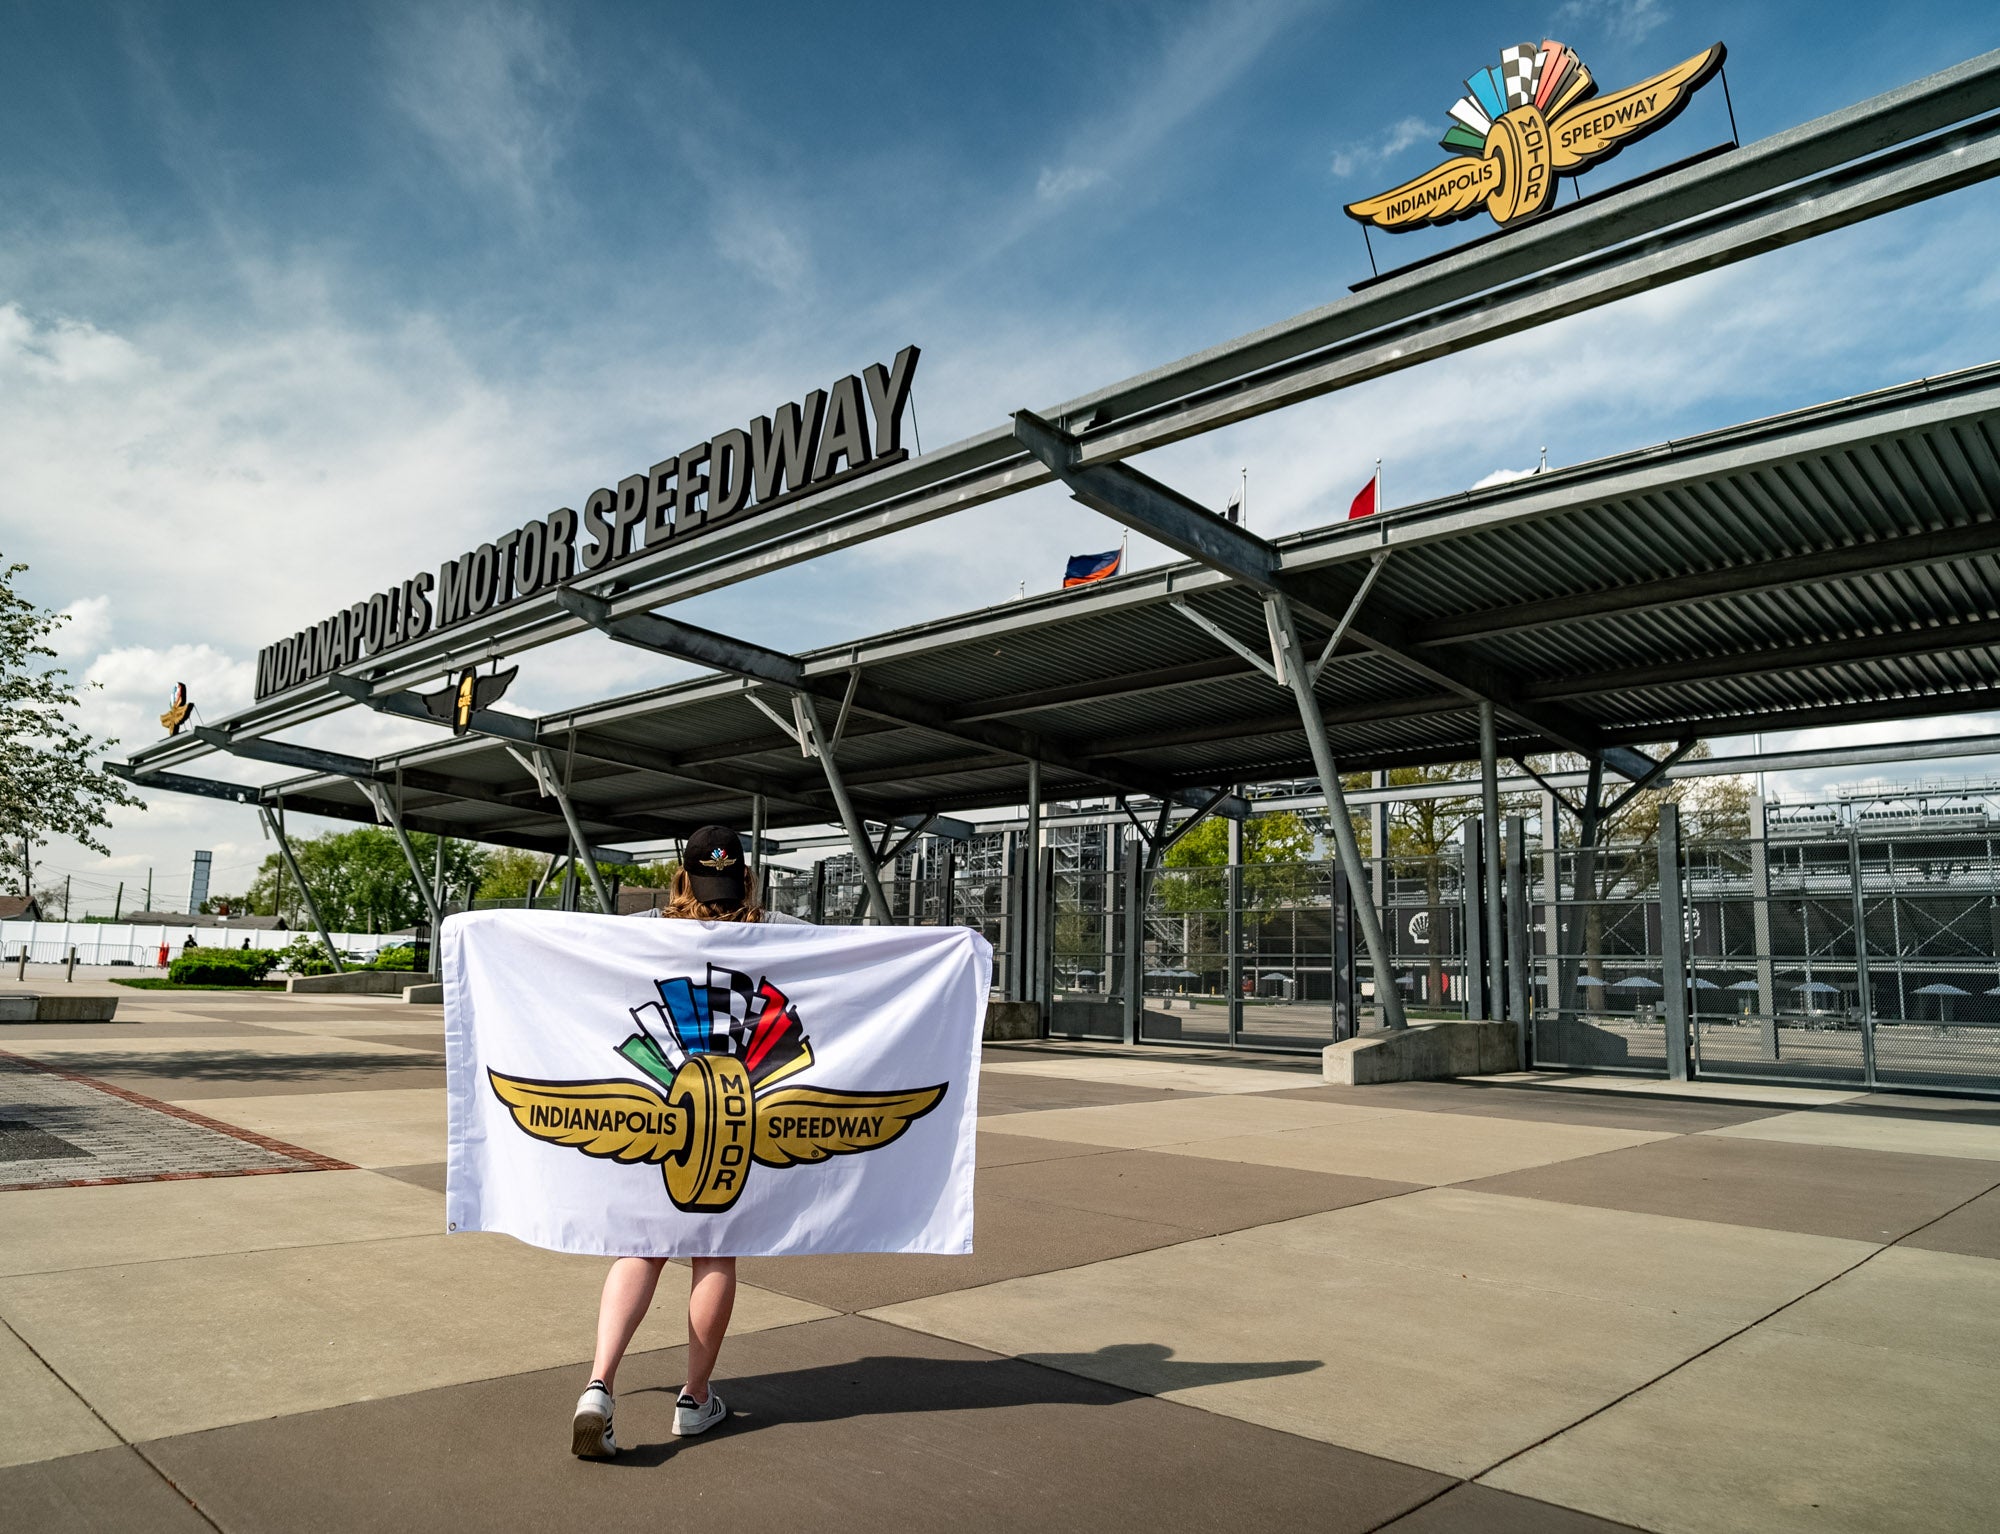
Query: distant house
<point x="20" y="908"/>
<point x="207" y="919"/>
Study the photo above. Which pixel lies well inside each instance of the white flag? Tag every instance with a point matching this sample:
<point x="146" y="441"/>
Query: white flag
<point x="712" y="1089"/>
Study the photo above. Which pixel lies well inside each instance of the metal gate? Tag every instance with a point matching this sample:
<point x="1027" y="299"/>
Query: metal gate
<point x="1848" y="959"/>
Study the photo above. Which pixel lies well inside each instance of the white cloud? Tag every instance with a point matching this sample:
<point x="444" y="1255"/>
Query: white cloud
<point x="491" y="86"/>
<point x="1054" y="185"/>
<point x="86" y="630"/>
<point x="1622" y="21"/>
<point x="1368" y="153"/>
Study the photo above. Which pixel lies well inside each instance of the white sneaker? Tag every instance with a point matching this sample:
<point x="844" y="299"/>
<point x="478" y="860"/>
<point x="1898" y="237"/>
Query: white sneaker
<point x="590" y="1434"/>
<point x="691" y="1417"/>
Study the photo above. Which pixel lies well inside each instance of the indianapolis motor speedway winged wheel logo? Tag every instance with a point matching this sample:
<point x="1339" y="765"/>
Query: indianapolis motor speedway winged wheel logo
<point x="718" y="1050"/>
<point x="1521" y="125"/>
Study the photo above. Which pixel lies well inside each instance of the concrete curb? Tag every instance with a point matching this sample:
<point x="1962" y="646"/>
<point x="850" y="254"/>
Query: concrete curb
<point x="30" y="1008"/>
<point x="359" y="982"/>
<point x="1421" y="1052"/>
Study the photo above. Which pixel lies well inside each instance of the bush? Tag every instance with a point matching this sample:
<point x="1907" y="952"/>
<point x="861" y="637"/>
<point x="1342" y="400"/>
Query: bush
<point x="221" y="966"/>
<point x="403" y="956"/>
<point x="305" y="956"/>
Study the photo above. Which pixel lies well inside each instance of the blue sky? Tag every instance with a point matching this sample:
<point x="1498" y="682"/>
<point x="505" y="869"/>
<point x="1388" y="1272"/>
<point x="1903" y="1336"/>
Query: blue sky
<point x="297" y="298"/>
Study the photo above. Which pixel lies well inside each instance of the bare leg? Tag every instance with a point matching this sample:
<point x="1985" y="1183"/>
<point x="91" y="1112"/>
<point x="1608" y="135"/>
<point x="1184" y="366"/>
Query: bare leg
<point x="628" y="1290"/>
<point x="710" y="1300"/>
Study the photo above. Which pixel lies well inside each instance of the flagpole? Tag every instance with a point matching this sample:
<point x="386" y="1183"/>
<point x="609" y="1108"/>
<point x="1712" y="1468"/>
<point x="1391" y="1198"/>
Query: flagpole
<point x="1243" y="504"/>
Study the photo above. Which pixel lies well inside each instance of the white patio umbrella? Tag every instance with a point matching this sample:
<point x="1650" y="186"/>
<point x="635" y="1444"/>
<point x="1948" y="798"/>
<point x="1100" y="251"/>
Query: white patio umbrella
<point x="1943" y="990"/>
<point x="1637" y="983"/>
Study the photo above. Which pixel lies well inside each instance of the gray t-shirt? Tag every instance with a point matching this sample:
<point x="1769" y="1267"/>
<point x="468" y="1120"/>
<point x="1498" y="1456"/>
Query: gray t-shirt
<point x="776" y="918"/>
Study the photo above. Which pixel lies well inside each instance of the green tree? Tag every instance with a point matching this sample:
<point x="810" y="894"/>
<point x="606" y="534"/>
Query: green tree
<point x="1276" y="850"/>
<point x="511" y="872"/>
<point x="361" y="880"/>
<point x="51" y="783"/>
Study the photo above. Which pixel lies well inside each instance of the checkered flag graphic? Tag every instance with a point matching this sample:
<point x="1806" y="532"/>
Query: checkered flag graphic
<point x="732" y="1009"/>
<point x="1518" y="69"/>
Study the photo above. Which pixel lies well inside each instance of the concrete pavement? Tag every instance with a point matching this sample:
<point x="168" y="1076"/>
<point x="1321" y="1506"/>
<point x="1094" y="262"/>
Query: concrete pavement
<point x="1208" y="1292"/>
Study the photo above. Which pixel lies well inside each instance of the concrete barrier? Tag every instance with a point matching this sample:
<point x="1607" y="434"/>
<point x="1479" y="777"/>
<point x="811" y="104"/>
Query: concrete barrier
<point x="30" y="1008"/>
<point x="1572" y="1041"/>
<point x="432" y="992"/>
<point x="1420" y="1052"/>
<point x="1012" y="1020"/>
<point x="359" y="982"/>
<point x="1106" y="1020"/>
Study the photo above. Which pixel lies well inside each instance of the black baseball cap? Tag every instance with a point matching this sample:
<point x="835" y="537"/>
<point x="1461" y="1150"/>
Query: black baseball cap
<point x="713" y="858"/>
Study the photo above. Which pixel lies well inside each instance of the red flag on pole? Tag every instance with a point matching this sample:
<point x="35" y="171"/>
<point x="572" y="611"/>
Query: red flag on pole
<point x="1363" y="505"/>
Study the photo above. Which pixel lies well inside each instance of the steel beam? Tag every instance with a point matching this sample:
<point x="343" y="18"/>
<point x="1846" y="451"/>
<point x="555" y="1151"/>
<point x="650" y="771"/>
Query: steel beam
<point x="580" y="847"/>
<point x="181" y="783"/>
<point x="1759" y="197"/>
<point x="1386" y="995"/>
<point x="276" y="827"/>
<point x="387" y="809"/>
<point x="857" y="833"/>
<point x="1142" y="503"/>
<point x="1147" y="506"/>
<point x="754" y="662"/>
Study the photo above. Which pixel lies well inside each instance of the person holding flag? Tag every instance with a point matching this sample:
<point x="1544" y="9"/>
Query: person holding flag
<point x="709" y="885"/>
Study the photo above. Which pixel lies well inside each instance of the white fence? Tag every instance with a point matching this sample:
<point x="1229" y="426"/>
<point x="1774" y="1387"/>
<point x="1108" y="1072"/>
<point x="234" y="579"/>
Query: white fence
<point x="49" y="942"/>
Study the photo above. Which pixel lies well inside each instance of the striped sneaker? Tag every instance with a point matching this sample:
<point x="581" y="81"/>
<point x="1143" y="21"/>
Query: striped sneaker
<point x="590" y="1434"/>
<point x="692" y="1416"/>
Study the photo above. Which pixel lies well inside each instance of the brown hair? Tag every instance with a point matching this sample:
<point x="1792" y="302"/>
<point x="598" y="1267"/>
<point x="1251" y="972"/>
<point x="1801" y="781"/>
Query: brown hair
<point x="681" y="902"/>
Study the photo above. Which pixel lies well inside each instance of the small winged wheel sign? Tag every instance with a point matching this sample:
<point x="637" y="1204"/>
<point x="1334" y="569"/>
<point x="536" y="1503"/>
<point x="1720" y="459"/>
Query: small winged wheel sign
<point x="178" y="709"/>
<point x="455" y="705"/>
<point x="718" y="1052"/>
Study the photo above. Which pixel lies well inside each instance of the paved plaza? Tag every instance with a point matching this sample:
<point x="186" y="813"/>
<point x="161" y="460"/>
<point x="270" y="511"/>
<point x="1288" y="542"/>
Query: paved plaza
<point x="1209" y="1292"/>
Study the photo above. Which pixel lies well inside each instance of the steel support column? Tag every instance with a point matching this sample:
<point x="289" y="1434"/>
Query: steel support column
<point x="1520" y="992"/>
<point x="857" y="833"/>
<point x="1864" y="988"/>
<point x="1031" y="904"/>
<point x="1489" y="796"/>
<point x="1760" y="929"/>
<point x="1233" y="933"/>
<point x="1474" y="855"/>
<point x="277" y="829"/>
<point x="1673" y="944"/>
<point x="1386" y="996"/>
<point x="1135" y="938"/>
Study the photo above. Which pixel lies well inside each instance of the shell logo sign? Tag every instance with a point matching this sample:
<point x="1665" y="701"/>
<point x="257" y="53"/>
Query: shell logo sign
<point x="1535" y="117"/>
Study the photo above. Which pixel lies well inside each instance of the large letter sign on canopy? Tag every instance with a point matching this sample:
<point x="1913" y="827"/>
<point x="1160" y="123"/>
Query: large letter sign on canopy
<point x="833" y="434"/>
<point x="1535" y="117"/>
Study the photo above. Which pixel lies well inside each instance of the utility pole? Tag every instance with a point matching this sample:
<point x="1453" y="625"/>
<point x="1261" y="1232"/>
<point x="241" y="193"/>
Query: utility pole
<point x="149" y="889"/>
<point x="118" y="901"/>
<point x="65" y="897"/>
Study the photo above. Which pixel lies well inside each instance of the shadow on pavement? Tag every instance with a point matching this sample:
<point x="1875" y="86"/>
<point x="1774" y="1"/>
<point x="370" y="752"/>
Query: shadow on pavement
<point x="231" y="1065"/>
<point x="882" y="1386"/>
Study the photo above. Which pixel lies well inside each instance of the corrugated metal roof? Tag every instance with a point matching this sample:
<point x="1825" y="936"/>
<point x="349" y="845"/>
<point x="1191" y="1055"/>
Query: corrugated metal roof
<point x="1834" y="564"/>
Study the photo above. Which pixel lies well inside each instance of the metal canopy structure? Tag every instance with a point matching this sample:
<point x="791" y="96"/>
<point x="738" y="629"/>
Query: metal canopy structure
<point x="1828" y="566"/>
